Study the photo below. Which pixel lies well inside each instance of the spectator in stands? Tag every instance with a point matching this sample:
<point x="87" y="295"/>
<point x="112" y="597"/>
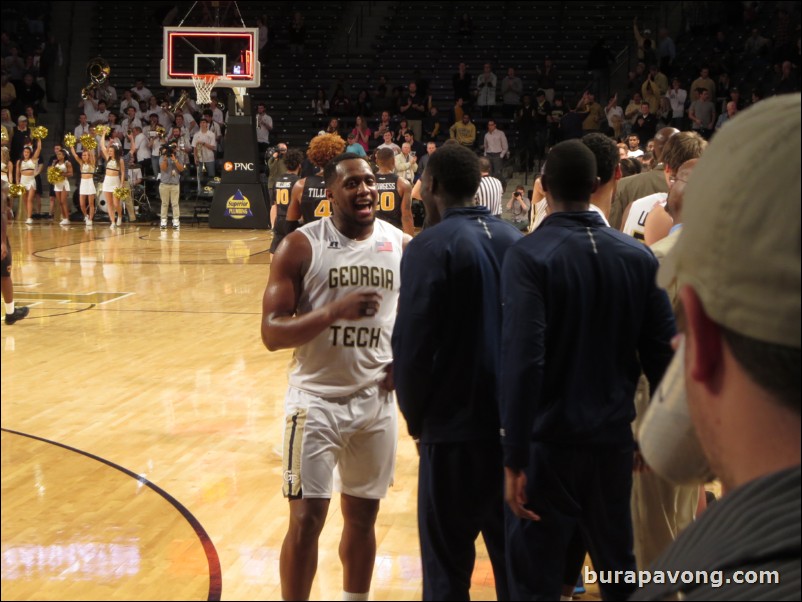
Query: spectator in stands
<point x="788" y="81"/>
<point x="735" y="96"/>
<point x="297" y="33"/>
<point x="623" y="150"/>
<point x="129" y="123"/>
<point x="511" y="89"/>
<point x="8" y="91"/>
<point x="615" y="116"/>
<point x="677" y="97"/>
<point x="340" y="105"/>
<point x="553" y="121"/>
<point x="496" y="149"/>
<point x="636" y="78"/>
<point x="631" y="112"/>
<point x="333" y="127"/>
<point x="457" y="111"/>
<point x="388" y="143"/>
<point x="320" y="106"/>
<point x="31" y="93"/>
<point x="722" y="89"/>
<point x="592" y="112"/>
<point x="415" y="145"/>
<point x="406" y="163"/>
<point x="403" y="127"/>
<point x="666" y="50"/>
<point x="756" y="46"/>
<point x="646" y="123"/>
<point x="101" y="113"/>
<point x="363" y="105"/>
<point x="464" y="131"/>
<point x="412" y="108"/>
<point x="640" y="39"/>
<point x="730" y="112"/>
<point x="361" y="133"/>
<point x="431" y="125"/>
<point x="30" y="113"/>
<point x="141" y="93"/>
<point x="129" y="101"/>
<point x="486" y="91"/>
<point x="703" y="81"/>
<point x="633" y="146"/>
<point x="81" y="129"/>
<point x="547" y="78"/>
<point x="15" y="66"/>
<point x="383" y="126"/>
<point x="702" y="114"/>
<point x="352" y="146"/>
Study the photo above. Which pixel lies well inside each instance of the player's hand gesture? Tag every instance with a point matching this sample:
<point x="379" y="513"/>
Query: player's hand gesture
<point x="357" y="305"/>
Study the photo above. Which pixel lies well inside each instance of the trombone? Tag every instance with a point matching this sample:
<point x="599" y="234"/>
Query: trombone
<point x="98" y="70"/>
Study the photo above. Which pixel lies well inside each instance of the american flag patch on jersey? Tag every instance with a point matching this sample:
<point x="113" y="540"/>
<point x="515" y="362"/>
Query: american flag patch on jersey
<point x="384" y="245"/>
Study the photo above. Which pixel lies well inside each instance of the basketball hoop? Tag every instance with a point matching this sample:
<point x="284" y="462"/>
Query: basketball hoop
<point x="203" y="87"/>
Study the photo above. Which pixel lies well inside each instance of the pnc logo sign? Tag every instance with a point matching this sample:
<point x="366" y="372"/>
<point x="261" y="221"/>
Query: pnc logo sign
<point x="229" y="166"/>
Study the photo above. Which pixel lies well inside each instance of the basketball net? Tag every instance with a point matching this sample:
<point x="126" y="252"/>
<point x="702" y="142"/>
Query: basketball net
<point x="203" y="87"/>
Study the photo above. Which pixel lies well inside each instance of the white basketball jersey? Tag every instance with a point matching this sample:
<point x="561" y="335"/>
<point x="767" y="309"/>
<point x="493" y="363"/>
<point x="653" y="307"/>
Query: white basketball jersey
<point x="636" y="221"/>
<point x="349" y="355"/>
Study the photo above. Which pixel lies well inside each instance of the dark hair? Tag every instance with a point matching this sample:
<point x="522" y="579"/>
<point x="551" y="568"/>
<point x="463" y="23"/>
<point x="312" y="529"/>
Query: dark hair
<point x="630" y="167"/>
<point x="484" y="165"/>
<point x="570" y="172"/>
<point x="330" y="171"/>
<point x="384" y="155"/>
<point x="606" y="153"/>
<point x="773" y="367"/>
<point x="454" y="169"/>
<point x="293" y="159"/>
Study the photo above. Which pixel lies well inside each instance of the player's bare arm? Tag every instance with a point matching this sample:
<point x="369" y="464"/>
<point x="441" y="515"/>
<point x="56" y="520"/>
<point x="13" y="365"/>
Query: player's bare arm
<point x="282" y="328"/>
<point x="294" y="208"/>
<point x="407" y="222"/>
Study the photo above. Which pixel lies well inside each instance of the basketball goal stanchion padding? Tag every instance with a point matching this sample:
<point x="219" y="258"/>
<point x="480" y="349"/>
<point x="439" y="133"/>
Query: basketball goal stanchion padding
<point x="204" y="84"/>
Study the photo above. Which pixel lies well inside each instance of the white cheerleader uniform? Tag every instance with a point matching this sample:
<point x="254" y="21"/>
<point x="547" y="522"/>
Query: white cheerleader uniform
<point x="111" y="182"/>
<point x="4" y="167"/>
<point x="87" y="184"/>
<point x="64" y="185"/>
<point x="28" y="182"/>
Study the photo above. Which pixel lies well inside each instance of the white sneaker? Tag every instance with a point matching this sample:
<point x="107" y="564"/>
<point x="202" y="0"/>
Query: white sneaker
<point x="119" y="220"/>
<point x="64" y="222"/>
<point x="29" y="220"/>
<point x="86" y="220"/>
<point x="163" y="224"/>
<point x="176" y="225"/>
<point x="112" y="226"/>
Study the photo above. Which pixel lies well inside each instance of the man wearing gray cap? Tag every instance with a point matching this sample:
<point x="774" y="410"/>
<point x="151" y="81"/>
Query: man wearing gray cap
<point x="737" y="266"/>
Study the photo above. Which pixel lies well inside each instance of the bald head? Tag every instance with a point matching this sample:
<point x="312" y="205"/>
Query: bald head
<point x="677" y="193"/>
<point x="660" y="139"/>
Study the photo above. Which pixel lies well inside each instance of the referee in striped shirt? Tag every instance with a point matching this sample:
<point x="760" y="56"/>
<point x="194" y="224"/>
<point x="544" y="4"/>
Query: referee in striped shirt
<point x="490" y="189"/>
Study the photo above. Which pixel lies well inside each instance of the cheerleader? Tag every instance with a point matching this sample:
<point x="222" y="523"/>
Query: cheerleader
<point x="115" y="177"/>
<point x="86" y="190"/>
<point x="62" y="189"/>
<point x="8" y="176"/>
<point x="26" y="170"/>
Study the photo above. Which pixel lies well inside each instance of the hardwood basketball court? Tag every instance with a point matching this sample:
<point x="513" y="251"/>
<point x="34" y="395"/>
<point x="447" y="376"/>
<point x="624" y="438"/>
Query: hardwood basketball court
<point x="142" y="425"/>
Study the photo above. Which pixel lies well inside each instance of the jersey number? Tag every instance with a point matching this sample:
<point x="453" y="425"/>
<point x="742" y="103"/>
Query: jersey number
<point x="283" y="196"/>
<point x="387" y="201"/>
<point x="323" y="208"/>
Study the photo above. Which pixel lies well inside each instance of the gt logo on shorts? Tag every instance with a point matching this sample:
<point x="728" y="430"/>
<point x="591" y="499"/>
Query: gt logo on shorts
<point x="293" y="440"/>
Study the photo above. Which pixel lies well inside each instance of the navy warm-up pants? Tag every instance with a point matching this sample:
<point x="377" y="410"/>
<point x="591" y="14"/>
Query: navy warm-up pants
<point x="460" y="494"/>
<point x="572" y="486"/>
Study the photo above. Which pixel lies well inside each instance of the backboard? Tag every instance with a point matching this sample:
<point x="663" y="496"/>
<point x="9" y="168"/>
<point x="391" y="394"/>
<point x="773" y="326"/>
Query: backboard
<point x="230" y="52"/>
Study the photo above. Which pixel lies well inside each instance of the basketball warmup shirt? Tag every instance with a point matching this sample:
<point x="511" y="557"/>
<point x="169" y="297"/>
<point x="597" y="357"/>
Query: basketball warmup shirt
<point x="389" y="198"/>
<point x="350" y="354"/>
<point x="314" y="204"/>
<point x="282" y="191"/>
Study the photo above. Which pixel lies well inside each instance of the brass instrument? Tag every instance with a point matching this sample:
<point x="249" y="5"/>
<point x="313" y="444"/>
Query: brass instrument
<point x="178" y="107"/>
<point x="98" y="70"/>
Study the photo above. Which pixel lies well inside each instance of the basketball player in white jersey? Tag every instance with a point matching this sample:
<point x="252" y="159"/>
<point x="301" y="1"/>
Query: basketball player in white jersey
<point x="332" y="295"/>
<point x="678" y="149"/>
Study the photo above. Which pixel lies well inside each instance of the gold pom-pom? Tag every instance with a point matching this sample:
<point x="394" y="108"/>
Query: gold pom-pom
<point x="88" y="141"/>
<point x="55" y="175"/>
<point x="102" y="130"/>
<point x="39" y="132"/>
<point x="122" y="193"/>
<point x="3" y="136"/>
<point x="15" y="190"/>
<point x="69" y="140"/>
